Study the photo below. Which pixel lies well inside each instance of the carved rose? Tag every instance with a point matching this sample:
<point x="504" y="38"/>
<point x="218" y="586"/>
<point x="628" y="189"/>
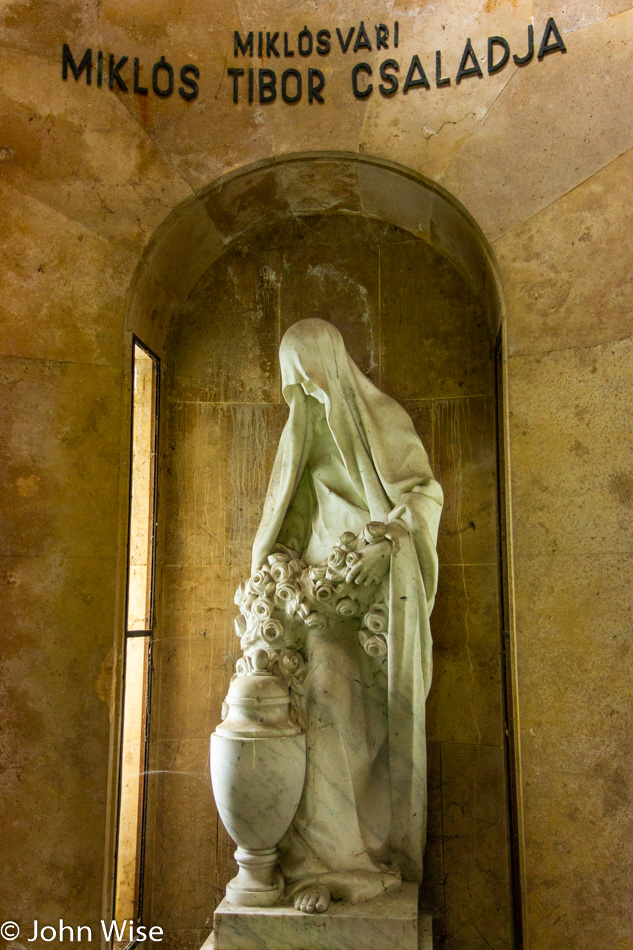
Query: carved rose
<point x="272" y="630"/>
<point x="346" y="607"/>
<point x="288" y="595"/>
<point x="262" y="608"/>
<point x="377" y="619"/>
<point x="316" y="620"/>
<point x="324" y="592"/>
<point x="291" y="662"/>
<point x="292" y="548"/>
<point x="348" y="538"/>
<point x="376" y="645"/>
<point x="373" y="644"/>
<point x="280" y="572"/>
<point x="317" y="572"/>
<point x="260" y="581"/>
<point x="352" y="559"/>
<point x="374" y="531"/>
<point x="336" y="559"/>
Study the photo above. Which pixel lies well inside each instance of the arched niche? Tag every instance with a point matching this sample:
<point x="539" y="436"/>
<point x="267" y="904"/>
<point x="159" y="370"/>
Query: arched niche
<point x="410" y="280"/>
<point x="202" y="228"/>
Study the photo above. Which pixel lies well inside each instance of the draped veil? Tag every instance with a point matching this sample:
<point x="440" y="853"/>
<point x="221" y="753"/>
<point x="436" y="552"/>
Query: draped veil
<point x="389" y="469"/>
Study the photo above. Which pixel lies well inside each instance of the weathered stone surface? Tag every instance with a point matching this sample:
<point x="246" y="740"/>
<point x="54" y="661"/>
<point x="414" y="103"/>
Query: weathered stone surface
<point x="465" y="462"/>
<point x="396" y="202"/>
<point x="467" y="611"/>
<point x="476" y="863"/>
<point x="182" y="665"/>
<point x="428" y="126"/>
<point x="246" y="285"/>
<point x="336" y="230"/>
<point x="571" y="465"/>
<point x="105" y="173"/>
<point x="335" y="191"/>
<point x="577" y="800"/>
<point x="174" y="262"/>
<point x="465" y="700"/>
<point x="182" y="788"/>
<point x="240" y="205"/>
<point x="57" y="669"/>
<point x="209" y="457"/>
<point x="207" y="136"/>
<point x="60" y="480"/>
<point x="336" y="123"/>
<point x="37" y="28"/>
<point x="571" y="451"/>
<point x="421" y="297"/>
<point x="343" y="291"/>
<point x="574" y="614"/>
<point x="580" y="14"/>
<point x="62" y="297"/>
<point x="567" y="270"/>
<point x="578" y="125"/>
<point x="195" y="650"/>
<point x="586" y="632"/>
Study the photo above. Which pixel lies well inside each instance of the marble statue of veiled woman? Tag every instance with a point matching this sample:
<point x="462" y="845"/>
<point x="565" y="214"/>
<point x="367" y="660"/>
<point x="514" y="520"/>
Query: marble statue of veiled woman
<point x="349" y="456"/>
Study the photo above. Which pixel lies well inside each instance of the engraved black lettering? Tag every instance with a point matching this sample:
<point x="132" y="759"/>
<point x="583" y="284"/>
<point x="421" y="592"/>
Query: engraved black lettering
<point x="191" y="91"/>
<point x="390" y="80"/>
<point x="358" y="92"/>
<point x="68" y="60"/>
<point x="474" y="69"/>
<point x="243" y="46"/>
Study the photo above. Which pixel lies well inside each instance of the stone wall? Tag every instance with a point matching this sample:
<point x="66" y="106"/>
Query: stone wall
<point x="541" y="157"/>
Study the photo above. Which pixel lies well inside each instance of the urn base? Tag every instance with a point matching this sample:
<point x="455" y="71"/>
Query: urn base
<point x="259" y="882"/>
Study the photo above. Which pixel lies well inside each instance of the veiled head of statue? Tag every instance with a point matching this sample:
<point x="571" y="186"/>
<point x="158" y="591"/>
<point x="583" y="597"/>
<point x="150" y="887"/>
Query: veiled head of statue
<point x="312" y="354"/>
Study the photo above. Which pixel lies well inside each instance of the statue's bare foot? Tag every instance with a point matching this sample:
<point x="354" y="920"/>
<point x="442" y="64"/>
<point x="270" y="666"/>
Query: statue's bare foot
<point x="313" y="900"/>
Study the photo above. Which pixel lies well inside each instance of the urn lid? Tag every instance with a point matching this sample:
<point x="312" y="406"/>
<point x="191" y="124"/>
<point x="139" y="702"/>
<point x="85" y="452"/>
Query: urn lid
<point x="257" y="704"/>
<point x="259" y="685"/>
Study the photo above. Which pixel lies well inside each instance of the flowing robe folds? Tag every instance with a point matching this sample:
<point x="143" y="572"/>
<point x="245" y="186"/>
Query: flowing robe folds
<point x="349" y="455"/>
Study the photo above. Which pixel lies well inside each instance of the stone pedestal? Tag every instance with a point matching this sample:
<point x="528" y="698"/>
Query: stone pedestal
<point x="382" y="924"/>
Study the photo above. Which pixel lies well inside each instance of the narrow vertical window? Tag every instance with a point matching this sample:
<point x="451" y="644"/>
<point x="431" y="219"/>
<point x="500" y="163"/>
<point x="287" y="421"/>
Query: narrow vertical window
<point x="128" y="895"/>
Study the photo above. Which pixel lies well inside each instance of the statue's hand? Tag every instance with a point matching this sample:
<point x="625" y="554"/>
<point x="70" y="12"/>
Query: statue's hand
<point x="372" y="565"/>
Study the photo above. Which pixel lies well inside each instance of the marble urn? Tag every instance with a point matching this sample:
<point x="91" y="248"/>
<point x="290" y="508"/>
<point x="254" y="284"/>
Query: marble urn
<point x="258" y="763"/>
